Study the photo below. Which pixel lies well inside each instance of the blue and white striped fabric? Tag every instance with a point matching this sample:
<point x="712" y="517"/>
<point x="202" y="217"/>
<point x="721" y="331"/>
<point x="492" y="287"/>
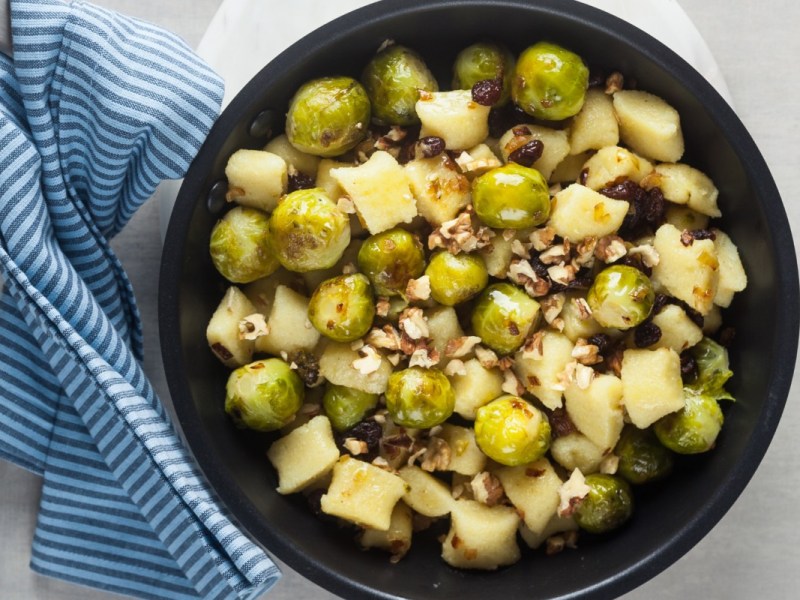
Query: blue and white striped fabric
<point x="95" y="110"/>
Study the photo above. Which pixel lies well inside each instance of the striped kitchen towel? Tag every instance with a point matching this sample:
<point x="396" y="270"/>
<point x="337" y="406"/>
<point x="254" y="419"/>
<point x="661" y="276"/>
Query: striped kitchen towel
<point x="95" y="110"/>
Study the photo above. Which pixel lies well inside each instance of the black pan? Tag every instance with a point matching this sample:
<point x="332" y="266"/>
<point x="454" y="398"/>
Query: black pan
<point x="669" y="519"/>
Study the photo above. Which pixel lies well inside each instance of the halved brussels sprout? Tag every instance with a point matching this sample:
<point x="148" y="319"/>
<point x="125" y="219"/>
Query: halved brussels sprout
<point x="512" y="431"/>
<point x="347" y="406"/>
<point x="419" y="398"/>
<point x="503" y="316"/>
<point x="713" y="370"/>
<point x="342" y="308"/>
<point x="642" y="458"/>
<point x="621" y="297"/>
<point x="511" y="197"/>
<point x="393" y="80"/>
<point x="694" y="428"/>
<point x="483" y="61"/>
<point x="608" y="505"/>
<point x="240" y="246"/>
<point x="264" y="395"/>
<point x="455" y="278"/>
<point x="309" y="231"/>
<point x="550" y="82"/>
<point x="328" y="116"/>
<point x="390" y="259"/>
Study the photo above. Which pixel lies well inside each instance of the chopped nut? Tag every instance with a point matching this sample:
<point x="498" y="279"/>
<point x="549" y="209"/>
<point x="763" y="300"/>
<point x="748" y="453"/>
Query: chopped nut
<point x="562" y="273"/>
<point x="455" y="367"/>
<point x="424" y="357"/>
<point x="505" y="363"/>
<point x="533" y="346"/>
<point x="486" y="357"/>
<point x="252" y="327"/>
<point x="586" y="353"/>
<point x="418" y="289"/>
<point x="413" y="323"/>
<point x="436" y="456"/>
<point x="614" y="82"/>
<point x="584" y="310"/>
<point x="369" y="362"/>
<point x="610" y="248"/>
<point x="521" y="272"/>
<point x="461" y="346"/>
<point x="382" y="463"/>
<point x="555" y="254"/>
<point x="355" y="446"/>
<point x="519" y="249"/>
<point x="458" y="235"/>
<point x="609" y="464"/>
<point x="508" y="234"/>
<point x="487" y="489"/>
<point x="511" y="385"/>
<point x="382" y="306"/>
<point x="386" y="338"/>
<point x="583" y="376"/>
<point x="346" y="205"/>
<point x="648" y="253"/>
<point x="552" y="306"/>
<point x="555" y="544"/>
<point x="394" y="358"/>
<point x="565" y="377"/>
<point x="585" y="252"/>
<point x="349" y="269"/>
<point x="571" y="493"/>
<point x="469" y="164"/>
<point x="542" y="238"/>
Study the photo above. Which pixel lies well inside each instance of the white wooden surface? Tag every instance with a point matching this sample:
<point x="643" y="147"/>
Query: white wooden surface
<point x="753" y="552"/>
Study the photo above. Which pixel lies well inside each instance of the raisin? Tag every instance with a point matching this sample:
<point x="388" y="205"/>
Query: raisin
<point x="368" y="431"/>
<point x="560" y="423"/>
<point x="430" y="146"/>
<point x="299" y="181"/>
<point x="487" y="92"/>
<point x="602" y="341"/>
<point x="646" y="334"/>
<point x="527" y="154"/>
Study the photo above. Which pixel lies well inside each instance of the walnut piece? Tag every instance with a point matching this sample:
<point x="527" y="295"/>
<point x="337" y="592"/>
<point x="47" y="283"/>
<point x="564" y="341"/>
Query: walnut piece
<point x="418" y="290"/>
<point x="436" y="456"/>
<point x="413" y="323"/>
<point x="455" y="367"/>
<point x="385" y="338"/>
<point x="542" y="238"/>
<point x="461" y="346"/>
<point x="253" y="326"/>
<point x="369" y="362"/>
<point x="355" y="446"/>
<point x="552" y="306"/>
<point x="610" y="248"/>
<point x="487" y="489"/>
<point x="571" y="492"/>
<point x="586" y="353"/>
<point x="459" y="235"/>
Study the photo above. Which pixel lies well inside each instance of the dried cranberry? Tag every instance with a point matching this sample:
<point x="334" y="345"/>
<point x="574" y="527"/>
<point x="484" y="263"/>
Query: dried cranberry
<point x="487" y="92"/>
<point x="624" y="190"/>
<point x="527" y="154"/>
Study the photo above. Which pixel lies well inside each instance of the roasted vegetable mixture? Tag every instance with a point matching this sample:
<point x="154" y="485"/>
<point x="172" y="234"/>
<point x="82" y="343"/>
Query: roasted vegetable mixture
<point x="497" y="306"/>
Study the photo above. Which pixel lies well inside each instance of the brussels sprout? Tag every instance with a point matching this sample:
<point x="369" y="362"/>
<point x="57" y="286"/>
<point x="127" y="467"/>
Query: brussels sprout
<point x="264" y="395"/>
<point x="455" y="278"/>
<point x="240" y="246"/>
<point x="511" y="431"/>
<point x="511" y="197"/>
<point x="608" y="505"/>
<point x="642" y="458"/>
<point x="503" y="316"/>
<point x="393" y="79"/>
<point x="390" y="259"/>
<point x="342" y="308"/>
<point x="712" y="369"/>
<point x="694" y="428"/>
<point x="549" y="82"/>
<point x="308" y="231"/>
<point x="328" y="116"/>
<point x="347" y="406"/>
<point x="621" y="297"/>
<point x="419" y="398"/>
<point x="483" y="61"/>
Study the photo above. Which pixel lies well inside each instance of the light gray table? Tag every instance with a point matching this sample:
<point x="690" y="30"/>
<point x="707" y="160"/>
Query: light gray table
<point x="753" y="552"/>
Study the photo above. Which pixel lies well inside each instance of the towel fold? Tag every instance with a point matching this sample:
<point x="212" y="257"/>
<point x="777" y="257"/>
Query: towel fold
<point x="95" y="110"/>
